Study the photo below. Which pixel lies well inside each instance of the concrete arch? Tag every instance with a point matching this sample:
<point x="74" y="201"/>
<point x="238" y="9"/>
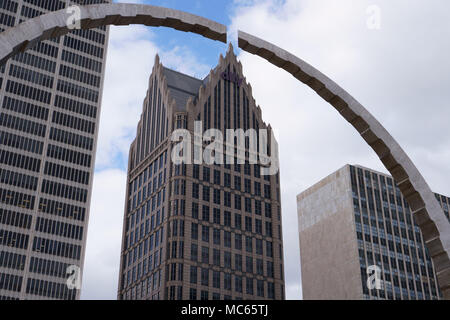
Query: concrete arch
<point x="54" y="24"/>
<point x="427" y="212"/>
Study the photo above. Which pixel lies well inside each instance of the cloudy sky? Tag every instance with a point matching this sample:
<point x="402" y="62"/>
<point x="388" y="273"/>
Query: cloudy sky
<point x="392" y="56"/>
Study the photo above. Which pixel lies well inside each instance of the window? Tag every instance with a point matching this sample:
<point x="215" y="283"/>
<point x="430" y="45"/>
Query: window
<point x="249" y="244"/>
<point x="270" y="272"/>
<point x="227" y="259"/>
<point x="227" y="239"/>
<point x="196" y="171"/>
<point x="269" y="249"/>
<point x="248" y="205"/>
<point x="216" y="196"/>
<point x="227" y="281"/>
<point x="194" y="210"/>
<point x="249" y="264"/>
<point x="193" y="274"/>
<point x="259" y="267"/>
<point x="271" y="290"/>
<point x="260" y="288"/>
<point x="238" y="242"/>
<point x="195" y="190"/>
<point x="205" y="213"/>
<point x="268" y="229"/>
<point x="256" y="171"/>
<point x="259" y="246"/>
<point x="238" y="262"/>
<point x="205" y="233"/>
<point x="216" y="257"/>
<point x="216" y="279"/>
<point x="206" y="193"/>
<point x="247" y="185"/>
<point x="217" y="177"/>
<point x="257" y="188"/>
<point x="237" y="221"/>
<point x="237" y="202"/>
<point x="216" y="215"/>
<point x="205" y="255"/>
<point x="227" y="218"/>
<point x="194" y="231"/>
<point x="227" y="199"/>
<point x="216" y="236"/>
<point x="248" y="224"/>
<point x="267" y="191"/>
<point x="258" y="226"/>
<point x="206" y="174"/>
<point x="192" y="294"/>
<point x="28" y="91"/>
<point x="258" y="207"/>
<point x="194" y="252"/>
<point x="227" y="180"/>
<point x="249" y="286"/>
<point x="237" y="183"/>
<point x="238" y="283"/>
<point x="268" y="210"/>
<point x="205" y="277"/>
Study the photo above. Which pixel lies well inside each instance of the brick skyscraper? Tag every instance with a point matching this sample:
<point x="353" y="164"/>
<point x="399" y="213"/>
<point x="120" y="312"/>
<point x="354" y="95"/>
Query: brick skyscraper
<point x="199" y="231"/>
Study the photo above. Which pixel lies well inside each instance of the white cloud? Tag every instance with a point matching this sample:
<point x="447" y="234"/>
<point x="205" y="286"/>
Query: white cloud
<point x="183" y="60"/>
<point x="101" y="268"/>
<point x="400" y="73"/>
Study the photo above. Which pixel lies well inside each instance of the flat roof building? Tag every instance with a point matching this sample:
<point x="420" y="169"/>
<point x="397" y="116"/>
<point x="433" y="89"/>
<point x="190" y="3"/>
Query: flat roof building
<point x="355" y="227"/>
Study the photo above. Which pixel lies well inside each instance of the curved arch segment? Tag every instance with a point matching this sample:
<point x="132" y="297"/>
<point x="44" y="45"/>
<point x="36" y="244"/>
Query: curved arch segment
<point x="55" y="24"/>
<point x="427" y="212"/>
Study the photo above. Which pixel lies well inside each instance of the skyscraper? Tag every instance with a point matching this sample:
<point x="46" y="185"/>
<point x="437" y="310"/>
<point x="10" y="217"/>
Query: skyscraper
<point x="355" y="229"/>
<point x="199" y="231"/>
<point x="50" y="105"/>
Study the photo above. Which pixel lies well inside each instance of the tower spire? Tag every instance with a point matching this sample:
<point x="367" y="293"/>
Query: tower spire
<point x="230" y="48"/>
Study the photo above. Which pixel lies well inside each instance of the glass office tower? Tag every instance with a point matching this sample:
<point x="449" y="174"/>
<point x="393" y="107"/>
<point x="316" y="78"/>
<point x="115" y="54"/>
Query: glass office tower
<point x="198" y="231"/>
<point x="50" y="106"/>
<point x="356" y="219"/>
